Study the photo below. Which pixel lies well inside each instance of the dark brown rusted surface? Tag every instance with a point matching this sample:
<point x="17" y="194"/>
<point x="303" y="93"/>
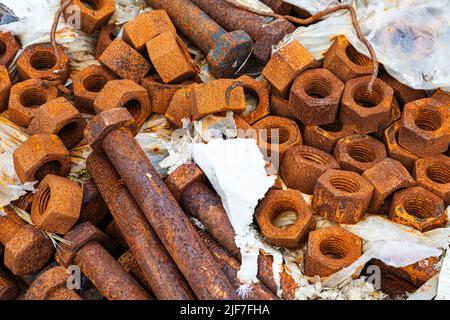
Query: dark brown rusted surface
<point x="278" y="6"/>
<point x="442" y="96"/>
<point x="93" y="208"/>
<point x="130" y="265"/>
<point x="280" y="107"/>
<point x="10" y="46"/>
<point x="93" y="13"/>
<point x="9" y="288"/>
<point x="258" y="91"/>
<point x="107" y="35"/>
<point x="5" y="88"/>
<point x="325" y="137"/>
<point x="403" y="93"/>
<point x="395" y="151"/>
<point x="394" y="116"/>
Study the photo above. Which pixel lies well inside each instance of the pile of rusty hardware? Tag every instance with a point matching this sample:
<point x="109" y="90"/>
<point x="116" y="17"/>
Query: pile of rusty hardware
<point x="358" y="144"/>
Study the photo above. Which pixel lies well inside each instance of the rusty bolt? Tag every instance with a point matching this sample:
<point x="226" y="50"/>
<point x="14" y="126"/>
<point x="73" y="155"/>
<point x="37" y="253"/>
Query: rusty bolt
<point x="359" y="152"/>
<point x="51" y="285"/>
<point x="280" y="107"/>
<point x="5" y="88"/>
<point x="403" y="93"/>
<point x="278" y="6"/>
<point x="418" y="208"/>
<point x="433" y="173"/>
<point x="87" y="84"/>
<point x="9" y="289"/>
<point x="93" y="208"/>
<point x="107" y="35"/>
<point x="395" y="151"/>
<point x="325" y="137"/>
<point x="93" y="13"/>
<point x="170" y="58"/>
<point x="59" y="117"/>
<point x="8" y="48"/>
<point x="342" y="196"/>
<point x="259" y="91"/>
<point x="39" y="61"/>
<point x="330" y="250"/>
<point x="26" y="97"/>
<point x="40" y="155"/>
<point x="286" y="65"/>
<point x="124" y="61"/>
<point x="57" y="204"/>
<point x="180" y="106"/>
<point x="284" y="218"/>
<point x="345" y="62"/>
<point x="386" y="177"/>
<point x="425" y="128"/>
<point x="366" y="111"/>
<point x="315" y="97"/>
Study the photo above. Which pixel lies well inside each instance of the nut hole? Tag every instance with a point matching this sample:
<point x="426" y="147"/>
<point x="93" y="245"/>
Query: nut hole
<point x="367" y="99"/>
<point x="419" y="208"/>
<point x="68" y="132"/>
<point x="251" y="100"/>
<point x="43" y="60"/>
<point x="273" y="133"/>
<point x="51" y="167"/>
<point x="33" y="98"/>
<point x="439" y="173"/>
<point x="95" y="82"/>
<point x="361" y="153"/>
<point x="336" y="126"/>
<point x="3" y="48"/>
<point x="428" y="120"/>
<point x="134" y="107"/>
<point x="44" y="200"/>
<point x="334" y="248"/>
<point x="284" y="215"/>
<point x="318" y="88"/>
<point x="356" y="57"/>
<point x="345" y="184"/>
<point x="316" y="158"/>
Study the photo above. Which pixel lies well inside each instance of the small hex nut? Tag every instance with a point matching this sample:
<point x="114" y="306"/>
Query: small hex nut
<point x="280" y="107"/>
<point x="182" y="178"/>
<point x="315" y="97"/>
<point x="433" y="173"/>
<point x="93" y="13"/>
<point x="87" y="84"/>
<point x="107" y="35"/>
<point x="325" y="137"/>
<point x="303" y="165"/>
<point x="386" y="177"/>
<point x="359" y="152"/>
<point x="59" y="117"/>
<point x="331" y="249"/>
<point x="180" y="106"/>
<point x="286" y="65"/>
<point x="9" y="47"/>
<point x="25" y="99"/>
<point x="418" y="208"/>
<point x="5" y="88"/>
<point x="365" y="111"/>
<point x="425" y="127"/>
<point x="402" y="92"/>
<point x="284" y="218"/>
<point x="253" y="89"/>
<point x="345" y="62"/>
<point x="56" y="205"/>
<point x="40" y="155"/>
<point x="342" y="196"/>
<point x="395" y="151"/>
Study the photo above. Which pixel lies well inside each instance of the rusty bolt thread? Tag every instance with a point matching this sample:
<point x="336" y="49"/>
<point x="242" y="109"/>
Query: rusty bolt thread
<point x="152" y="257"/>
<point x="9" y="290"/>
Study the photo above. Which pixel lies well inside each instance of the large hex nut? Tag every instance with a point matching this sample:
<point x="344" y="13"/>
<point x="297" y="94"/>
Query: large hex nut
<point x="40" y="155"/>
<point x="145" y="27"/>
<point x="425" y="127"/>
<point x="93" y="13"/>
<point x="303" y="165"/>
<point x="180" y="106"/>
<point x="107" y="35"/>
<point x="255" y="90"/>
<point x="403" y="93"/>
<point x="284" y="218"/>
<point x="286" y="65"/>
<point x="39" y="61"/>
<point x="280" y="107"/>
<point x="56" y="205"/>
<point x="126" y="94"/>
<point x="345" y="62"/>
<point x="395" y="151"/>
<point x="170" y="58"/>
<point x="331" y="249"/>
<point x="315" y="97"/>
<point x="418" y="208"/>
<point x="87" y="84"/>
<point x="25" y="99"/>
<point x="365" y="111"/>
<point x="325" y="137"/>
<point x="124" y="61"/>
<point x="182" y="178"/>
<point x="5" y="88"/>
<point x="342" y="196"/>
<point x="359" y="152"/>
<point x="386" y="177"/>
<point x="8" y="48"/>
<point x="59" y="117"/>
<point x="433" y="173"/>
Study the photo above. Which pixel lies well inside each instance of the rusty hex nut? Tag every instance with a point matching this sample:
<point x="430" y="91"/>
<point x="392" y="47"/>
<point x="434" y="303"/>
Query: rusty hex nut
<point x="56" y="205"/>
<point x="93" y="13"/>
<point x="395" y="115"/>
<point x="180" y="106"/>
<point x="359" y="152"/>
<point x="315" y="97"/>
<point x="9" y="287"/>
<point x="386" y="177"/>
<point x="345" y="62"/>
<point x="40" y="155"/>
<point x="433" y="173"/>
<point x="417" y="273"/>
<point x="442" y="96"/>
<point x="330" y="250"/>
<point x="125" y="94"/>
<point x="124" y="61"/>
<point x="284" y="218"/>
<point x="365" y="111"/>
<point x="326" y="136"/>
<point x="403" y="93"/>
<point x="395" y="151"/>
<point x="418" y="208"/>
<point x="8" y="48"/>
<point x="182" y="178"/>
<point x="425" y="127"/>
<point x="254" y="89"/>
<point x="5" y="88"/>
<point x="342" y="196"/>
<point x="93" y="208"/>
<point x="107" y="35"/>
<point x="60" y="117"/>
<point x="39" y="61"/>
<point x="303" y="165"/>
<point x="286" y="65"/>
<point x="280" y="107"/>
<point x="87" y="84"/>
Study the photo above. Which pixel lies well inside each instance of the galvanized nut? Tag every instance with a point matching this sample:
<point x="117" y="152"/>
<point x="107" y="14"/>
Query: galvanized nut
<point x="395" y="151"/>
<point x="325" y="137"/>
<point x="93" y="14"/>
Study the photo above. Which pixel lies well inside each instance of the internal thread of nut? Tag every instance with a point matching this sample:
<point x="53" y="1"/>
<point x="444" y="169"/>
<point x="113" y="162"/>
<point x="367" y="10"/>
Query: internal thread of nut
<point x="334" y="248"/>
<point x="44" y="200"/>
<point x="134" y="107"/>
<point x="336" y="126"/>
<point x="92" y="4"/>
<point x="361" y="153"/>
<point x="283" y="135"/>
<point x="33" y="98"/>
<point x="51" y="167"/>
<point x="439" y="173"/>
<point x="356" y="57"/>
<point x="318" y="88"/>
<point x="316" y="158"/>
<point x="367" y="99"/>
<point x="419" y="208"/>
<point x="43" y="60"/>
<point x="95" y="82"/>
<point x="428" y="119"/>
<point x="284" y="215"/>
<point x="345" y="184"/>
<point x="3" y="48"/>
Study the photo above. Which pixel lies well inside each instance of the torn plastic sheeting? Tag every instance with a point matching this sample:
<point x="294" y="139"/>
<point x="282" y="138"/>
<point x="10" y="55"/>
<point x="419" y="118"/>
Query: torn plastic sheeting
<point x="427" y="291"/>
<point x="443" y="289"/>
<point x="314" y="6"/>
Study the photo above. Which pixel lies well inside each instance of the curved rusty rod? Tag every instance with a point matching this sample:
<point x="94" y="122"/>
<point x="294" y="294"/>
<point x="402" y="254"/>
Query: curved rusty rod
<point x="53" y="31"/>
